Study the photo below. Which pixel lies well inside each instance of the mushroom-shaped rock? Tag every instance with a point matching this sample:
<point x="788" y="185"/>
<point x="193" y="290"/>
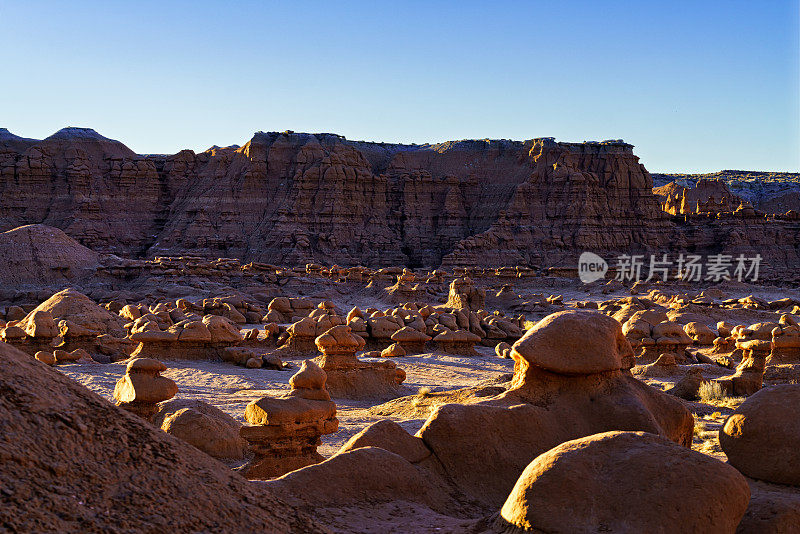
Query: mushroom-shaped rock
<point x="486" y="445"/>
<point x="189" y="339"/>
<point x="576" y="343"/>
<point x="381" y="327"/>
<point x="669" y="336"/>
<point x="309" y="382"/>
<point x="412" y="341"/>
<point x="300" y="340"/>
<point x="749" y="375"/>
<point x="142" y="387"/>
<point x="284" y="432"/>
<point x="349" y="377"/>
<point x="661" y="487"/>
<point x="785" y="343"/>
<point x="281" y="305"/>
<point x="339" y="340"/>
<point x="762" y="436"/>
<point x="458" y="342"/>
<point x="222" y="329"/>
<point x="195" y="331"/>
<point x="305" y="327"/>
<point x="700" y="333"/>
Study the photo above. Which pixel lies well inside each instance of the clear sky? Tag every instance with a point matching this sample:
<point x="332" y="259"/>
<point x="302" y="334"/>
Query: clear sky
<point x="697" y="86"/>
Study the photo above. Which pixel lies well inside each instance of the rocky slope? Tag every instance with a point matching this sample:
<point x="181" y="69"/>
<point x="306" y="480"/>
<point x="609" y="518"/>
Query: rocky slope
<point x="73" y="462"/>
<point x="292" y="198"/>
<point x="770" y="192"/>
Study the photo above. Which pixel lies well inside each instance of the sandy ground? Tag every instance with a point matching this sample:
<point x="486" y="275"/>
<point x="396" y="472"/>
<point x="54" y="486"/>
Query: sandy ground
<point x="231" y="388"/>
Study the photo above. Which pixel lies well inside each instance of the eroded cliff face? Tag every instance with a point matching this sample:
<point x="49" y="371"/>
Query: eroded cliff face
<point x="95" y="189"/>
<point x="293" y="198"/>
<point x="578" y="197"/>
<point x="300" y="197"/>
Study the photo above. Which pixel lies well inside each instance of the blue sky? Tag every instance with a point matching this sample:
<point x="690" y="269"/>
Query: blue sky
<point x="696" y="86"/>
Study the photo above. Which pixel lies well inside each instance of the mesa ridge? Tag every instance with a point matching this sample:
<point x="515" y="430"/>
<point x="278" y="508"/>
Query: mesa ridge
<point x="294" y="198"/>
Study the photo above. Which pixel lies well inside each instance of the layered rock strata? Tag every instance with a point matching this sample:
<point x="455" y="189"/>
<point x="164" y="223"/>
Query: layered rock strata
<point x="296" y="198"/>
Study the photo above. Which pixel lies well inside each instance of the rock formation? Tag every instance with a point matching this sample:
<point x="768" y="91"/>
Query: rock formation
<point x="785" y="342"/>
<point x="762" y="436"/>
<point x="749" y="375"/>
<point x="707" y="196"/>
<point x="463" y="295"/>
<point x="457" y="342"/>
<point x="663" y="487"/>
<point x="39" y="254"/>
<point x="313" y="196"/>
<point x="200" y="424"/>
<point x="188" y="340"/>
<point x="74" y="306"/>
<point x="142" y="387"/>
<point x="284" y="432"/>
<point x="32" y="334"/>
<point x="410" y="340"/>
<point x="347" y="376"/>
<point x="111" y="471"/>
<point x="570" y="380"/>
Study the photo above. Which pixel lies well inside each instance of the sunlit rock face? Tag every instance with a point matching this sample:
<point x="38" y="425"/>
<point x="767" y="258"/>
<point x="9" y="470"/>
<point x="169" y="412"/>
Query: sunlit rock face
<point x="296" y="198"/>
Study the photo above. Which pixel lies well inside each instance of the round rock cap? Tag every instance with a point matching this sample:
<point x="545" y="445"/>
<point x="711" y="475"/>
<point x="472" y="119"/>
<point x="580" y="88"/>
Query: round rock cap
<point x="575" y="343"/>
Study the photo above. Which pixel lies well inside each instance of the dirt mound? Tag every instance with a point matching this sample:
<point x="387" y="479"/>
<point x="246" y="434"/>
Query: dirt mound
<point x="73" y="462"/>
<point x="40" y="254"/>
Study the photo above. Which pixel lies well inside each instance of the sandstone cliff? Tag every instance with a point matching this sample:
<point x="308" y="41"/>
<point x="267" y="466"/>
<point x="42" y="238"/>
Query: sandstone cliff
<point x="293" y="198"/>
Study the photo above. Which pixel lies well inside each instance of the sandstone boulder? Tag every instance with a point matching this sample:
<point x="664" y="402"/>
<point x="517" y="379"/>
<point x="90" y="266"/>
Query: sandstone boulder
<point x="700" y="333"/>
<point x="410" y="340"/>
<point x="762" y="436"/>
<point x="39" y="324"/>
<point x="200" y="424"/>
<point x="576" y="343"/>
<point x="457" y="342"/>
<point x="659" y="486"/>
<point x="45" y="357"/>
<point x="74" y="306"/>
